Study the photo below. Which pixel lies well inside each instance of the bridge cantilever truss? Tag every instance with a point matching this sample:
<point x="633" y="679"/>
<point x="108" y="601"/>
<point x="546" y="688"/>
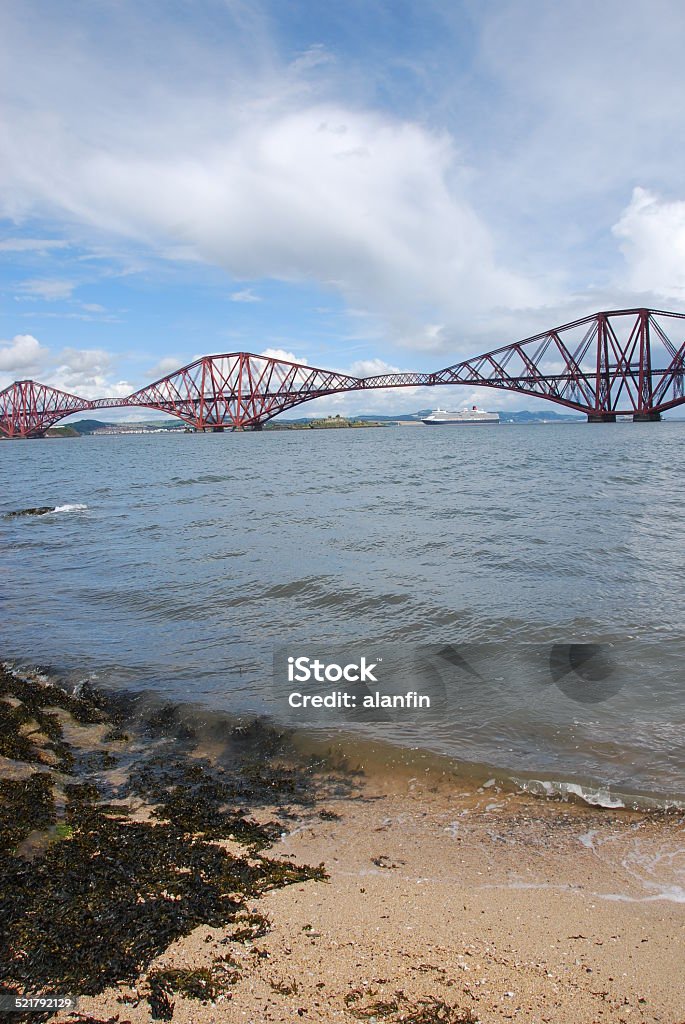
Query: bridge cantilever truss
<point x="602" y="365"/>
<point x="610" y="364"/>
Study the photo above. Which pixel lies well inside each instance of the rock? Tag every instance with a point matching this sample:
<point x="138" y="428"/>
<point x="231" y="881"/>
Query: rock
<point x="41" y="511"/>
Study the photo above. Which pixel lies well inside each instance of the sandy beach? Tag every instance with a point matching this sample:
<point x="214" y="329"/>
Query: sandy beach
<point x="456" y="906"/>
<point x="444" y="901"/>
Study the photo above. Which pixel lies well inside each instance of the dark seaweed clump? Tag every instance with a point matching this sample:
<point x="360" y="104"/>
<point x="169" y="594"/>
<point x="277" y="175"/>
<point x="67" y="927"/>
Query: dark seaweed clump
<point x="198" y="799"/>
<point x="105" y="893"/>
<point x="205" y="984"/>
<point x="31" y="731"/>
<point x="427" y="1010"/>
<point x="26" y="805"/>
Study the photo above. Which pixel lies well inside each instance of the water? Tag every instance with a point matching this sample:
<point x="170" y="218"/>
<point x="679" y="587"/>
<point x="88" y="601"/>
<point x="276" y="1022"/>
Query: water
<point x="178" y="562"/>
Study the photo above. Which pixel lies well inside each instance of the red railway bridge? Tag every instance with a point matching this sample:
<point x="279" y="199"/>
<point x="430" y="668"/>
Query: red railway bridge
<point x="619" y="363"/>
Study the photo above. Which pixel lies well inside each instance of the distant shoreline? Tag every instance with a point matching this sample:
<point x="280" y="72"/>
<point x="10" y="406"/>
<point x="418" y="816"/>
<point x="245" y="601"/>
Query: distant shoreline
<point x="90" y="428"/>
<point x="278" y="427"/>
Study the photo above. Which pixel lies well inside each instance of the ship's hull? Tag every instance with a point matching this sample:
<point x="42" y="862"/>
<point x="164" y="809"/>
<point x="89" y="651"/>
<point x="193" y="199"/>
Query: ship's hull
<point x="461" y="423"/>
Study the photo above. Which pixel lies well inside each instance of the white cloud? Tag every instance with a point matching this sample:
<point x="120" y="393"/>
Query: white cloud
<point x="86" y="373"/>
<point x="31" y="244"/>
<point x="430" y="338"/>
<point x="651" y="232"/>
<point x="49" y="289"/>
<point x="371" y="368"/>
<point x="22" y="353"/>
<point x="586" y="110"/>
<point x="480" y="209"/>
<point x="314" y="57"/>
<point x="83" y="371"/>
<point x="166" y="366"/>
<point x="246" y="295"/>
<point x="85" y="317"/>
<point x="253" y="174"/>
<point x="281" y="353"/>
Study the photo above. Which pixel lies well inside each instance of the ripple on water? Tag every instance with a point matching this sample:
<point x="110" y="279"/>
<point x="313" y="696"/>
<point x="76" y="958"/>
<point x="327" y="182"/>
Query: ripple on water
<point x="196" y="560"/>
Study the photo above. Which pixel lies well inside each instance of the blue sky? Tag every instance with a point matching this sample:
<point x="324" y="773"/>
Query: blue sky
<point x="359" y="185"/>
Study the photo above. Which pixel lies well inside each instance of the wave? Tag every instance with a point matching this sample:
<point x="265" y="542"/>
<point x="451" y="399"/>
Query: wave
<point x="595" y="795"/>
<point x="67" y="508"/>
<point x="656" y="867"/>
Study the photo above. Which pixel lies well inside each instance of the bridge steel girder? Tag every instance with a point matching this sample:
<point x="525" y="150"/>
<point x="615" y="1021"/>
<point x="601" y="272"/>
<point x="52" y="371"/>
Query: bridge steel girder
<point x="601" y="365"/>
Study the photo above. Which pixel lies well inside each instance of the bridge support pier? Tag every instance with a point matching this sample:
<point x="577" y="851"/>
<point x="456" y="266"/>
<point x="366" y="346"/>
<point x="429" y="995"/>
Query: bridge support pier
<point x="601" y="417"/>
<point x="217" y="430"/>
<point x="647" y="417"/>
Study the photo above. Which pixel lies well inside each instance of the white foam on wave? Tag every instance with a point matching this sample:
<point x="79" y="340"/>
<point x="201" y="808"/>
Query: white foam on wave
<point x="68" y="508"/>
<point x="655" y="864"/>
<point x="671" y="894"/>
<point x="597" y="796"/>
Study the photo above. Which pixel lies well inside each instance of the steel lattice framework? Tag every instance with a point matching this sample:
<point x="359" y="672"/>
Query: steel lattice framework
<point x="28" y="409"/>
<point x="624" y="362"/>
<point x="603" y="365"/>
<point x="239" y="390"/>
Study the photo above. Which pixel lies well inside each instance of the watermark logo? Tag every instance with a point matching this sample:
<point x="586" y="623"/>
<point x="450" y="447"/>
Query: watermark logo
<point x="383" y="682"/>
<point x="304" y="669"/>
<point x="339" y="684"/>
<point x="586" y="673"/>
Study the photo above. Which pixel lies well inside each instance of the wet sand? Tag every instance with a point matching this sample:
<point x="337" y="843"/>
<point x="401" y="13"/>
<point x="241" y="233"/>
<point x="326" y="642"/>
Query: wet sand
<point x="453" y="905"/>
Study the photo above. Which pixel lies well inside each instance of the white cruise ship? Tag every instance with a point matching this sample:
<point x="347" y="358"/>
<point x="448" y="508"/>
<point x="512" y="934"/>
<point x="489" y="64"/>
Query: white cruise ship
<point x="443" y="418"/>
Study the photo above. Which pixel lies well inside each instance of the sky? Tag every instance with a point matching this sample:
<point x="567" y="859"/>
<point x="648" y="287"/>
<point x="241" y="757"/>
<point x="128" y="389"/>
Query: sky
<point x="363" y="185"/>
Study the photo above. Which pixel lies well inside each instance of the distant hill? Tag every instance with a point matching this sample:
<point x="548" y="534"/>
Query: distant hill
<point x="525" y="416"/>
<point x="90" y="426"/>
<point x="362" y="418"/>
<point x="401" y="417"/>
<point x="87" y="426"/>
<point x="62" y="432"/>
<point x="540" y="417"/>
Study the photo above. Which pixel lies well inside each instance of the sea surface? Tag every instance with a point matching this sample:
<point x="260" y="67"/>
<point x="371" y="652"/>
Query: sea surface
<point x="537" y="570"/>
